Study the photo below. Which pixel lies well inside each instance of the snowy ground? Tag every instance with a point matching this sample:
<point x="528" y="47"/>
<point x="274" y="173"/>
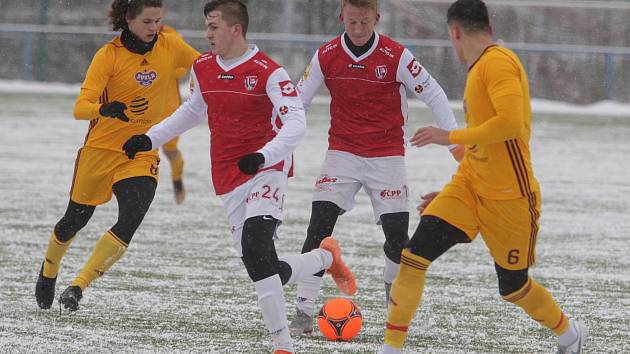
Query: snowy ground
<point x="180" y="288"/>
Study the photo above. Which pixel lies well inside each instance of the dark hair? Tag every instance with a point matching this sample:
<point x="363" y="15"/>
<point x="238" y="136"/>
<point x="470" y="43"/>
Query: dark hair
<point x="232" y="11"/>
<point x="472" y="15"/>
<point x="128" y="8"/>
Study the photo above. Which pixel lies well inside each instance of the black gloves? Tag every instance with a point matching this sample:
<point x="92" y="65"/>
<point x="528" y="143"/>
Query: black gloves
<point x="114" y="110"/>
<point x="136" y="144"/>
<point x="251" y="163"/>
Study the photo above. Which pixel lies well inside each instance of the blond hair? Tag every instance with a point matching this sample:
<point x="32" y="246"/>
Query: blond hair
<point x="370" y="4"/>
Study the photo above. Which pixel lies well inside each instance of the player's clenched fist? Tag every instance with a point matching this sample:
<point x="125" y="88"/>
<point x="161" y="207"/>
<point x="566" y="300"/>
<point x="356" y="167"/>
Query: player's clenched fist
<point x="251" y="163"/>
<point x="135" y="144"/>
<point x="114" y="110"/>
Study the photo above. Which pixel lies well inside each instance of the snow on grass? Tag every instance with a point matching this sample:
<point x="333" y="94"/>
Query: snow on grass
<point x="181" y="289"/>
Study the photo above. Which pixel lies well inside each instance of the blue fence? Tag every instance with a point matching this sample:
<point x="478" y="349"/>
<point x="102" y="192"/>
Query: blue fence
<point x="33" y="60"/>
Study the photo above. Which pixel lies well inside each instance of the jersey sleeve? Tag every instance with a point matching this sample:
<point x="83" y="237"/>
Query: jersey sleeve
<point x="187" y="116"/>
<point x="424" y="87"/>
<point x="311" y="81"/>
<point x="502" y="79"/>
<point x="286" y="101"/>
<point x="101" y="69"/>
<point x="186" y="55"/>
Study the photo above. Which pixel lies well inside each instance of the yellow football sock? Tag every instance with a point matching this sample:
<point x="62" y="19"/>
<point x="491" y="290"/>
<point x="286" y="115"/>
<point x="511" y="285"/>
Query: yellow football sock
<point x="177" y="166"/>
<point x="405" y="297"/>
<point x="540" y="305"/>
<point x="55" y="252"/>
<point x="107" y="251"/>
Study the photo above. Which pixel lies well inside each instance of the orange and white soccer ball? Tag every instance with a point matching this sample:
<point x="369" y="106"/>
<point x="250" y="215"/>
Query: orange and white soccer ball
<point x="340" y="319"/>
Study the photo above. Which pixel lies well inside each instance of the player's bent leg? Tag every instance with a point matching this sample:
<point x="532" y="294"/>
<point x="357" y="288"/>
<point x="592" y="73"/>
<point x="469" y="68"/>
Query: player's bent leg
<point x="134" y="197"/>
<point x="324" y="215"/>
<point x="262" y="265"/>
<point x="538" y="303"/>
<point x="395" y="226"/>
<point x="74" y="219"/>
<point x="176" y="160"/>
<point x="432" y="238"/>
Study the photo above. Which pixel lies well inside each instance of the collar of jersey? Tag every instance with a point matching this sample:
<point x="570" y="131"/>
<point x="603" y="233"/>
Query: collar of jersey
<point x="254" y="51"/>
<point x="366" y="54"/>
<point x="135" y="44"/>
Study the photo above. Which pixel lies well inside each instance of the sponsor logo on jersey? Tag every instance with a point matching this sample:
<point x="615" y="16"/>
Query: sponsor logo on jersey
<point x="262" y="63"/>
<point x="145" y="79"/>
<point x="387" y="51"/>
<point x="226" y="77"/>
<point x="419" y="88"/>
<point x="203" y="58"/>
<point x="414" y="68"/>
<point x="324" y="182"/>
<point x="381" y="71"/>
<point x="250" y="82"/>
<point x="356" y="66"/>
<point x="288" y="89"/>
<point x="329" y="47"/>
<point x="387" y="194"/>
<point x="144" y="62"/>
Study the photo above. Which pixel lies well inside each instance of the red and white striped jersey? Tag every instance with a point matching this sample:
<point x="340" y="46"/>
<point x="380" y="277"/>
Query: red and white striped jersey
<point x="368" y="106"/>
<point x="251" y="105"/>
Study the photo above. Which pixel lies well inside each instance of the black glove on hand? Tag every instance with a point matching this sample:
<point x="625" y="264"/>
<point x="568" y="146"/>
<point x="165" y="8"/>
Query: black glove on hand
<point x="114" y="110"/>
<point x="136" y="144"/>
<point x="251" y="163"/>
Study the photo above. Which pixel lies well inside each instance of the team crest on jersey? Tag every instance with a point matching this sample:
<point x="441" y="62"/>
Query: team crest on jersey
<point x="250" y="82"/>
<point x="414" y="68"/>
<point x="145" y="79"/>
<point x="381" y="71"/>
<point x="288" y="89"/>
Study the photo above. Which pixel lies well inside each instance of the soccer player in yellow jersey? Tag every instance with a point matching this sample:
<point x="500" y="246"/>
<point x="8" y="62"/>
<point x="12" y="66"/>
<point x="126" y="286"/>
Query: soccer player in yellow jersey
<point x="124" y="94"/>
<point x="173" y="154"/>
<point x="494" y="191"/>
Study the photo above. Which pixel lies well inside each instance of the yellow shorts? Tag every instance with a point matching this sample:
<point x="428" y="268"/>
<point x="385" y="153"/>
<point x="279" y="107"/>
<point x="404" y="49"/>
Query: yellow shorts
<point x="96" y="171"/>
<point x="508" y="227"/>
<point x="171" y="145"/>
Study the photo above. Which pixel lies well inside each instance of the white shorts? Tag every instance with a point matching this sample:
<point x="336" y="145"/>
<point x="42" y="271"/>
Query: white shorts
<point x="262" y="195"/>
<point x="384" y="179"/>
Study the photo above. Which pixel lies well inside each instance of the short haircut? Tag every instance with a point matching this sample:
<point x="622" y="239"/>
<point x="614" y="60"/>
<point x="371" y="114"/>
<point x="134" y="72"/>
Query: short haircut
<point x="472" y="15"/>
<point x="370" y="4"/>
<point x="232" y="11"/>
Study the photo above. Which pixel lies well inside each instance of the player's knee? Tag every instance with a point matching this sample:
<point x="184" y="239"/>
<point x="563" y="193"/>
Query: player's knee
<point x="510" y="280"/>
<point x="75" y="218"/>
<point x="434" y="237"/>
<point x="395" y="226"/>
<point x="259" y="255"/>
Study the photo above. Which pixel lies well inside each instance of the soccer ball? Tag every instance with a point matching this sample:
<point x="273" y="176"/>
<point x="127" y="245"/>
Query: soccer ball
<point x="339" y="319"/>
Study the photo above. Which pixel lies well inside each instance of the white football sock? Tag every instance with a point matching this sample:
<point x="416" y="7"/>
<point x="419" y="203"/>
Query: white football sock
<point x="307" y="292"/>
<point x="307" y="264"/>
<point x="389" y="350"/>
<point x="391" y="270"/>
<point x="569" y="336"/>
<point x="274" y="312"/>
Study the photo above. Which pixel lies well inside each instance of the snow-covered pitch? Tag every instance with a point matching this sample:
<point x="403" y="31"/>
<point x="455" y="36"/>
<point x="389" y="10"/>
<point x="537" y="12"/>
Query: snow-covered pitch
<point x="180" y="287"/>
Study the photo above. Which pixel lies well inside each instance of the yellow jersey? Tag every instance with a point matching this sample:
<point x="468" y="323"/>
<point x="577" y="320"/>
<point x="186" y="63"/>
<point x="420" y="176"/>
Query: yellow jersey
<point x="173" y="99"/>
<point x="143" y="82"/>
<point x="497" y="108"/>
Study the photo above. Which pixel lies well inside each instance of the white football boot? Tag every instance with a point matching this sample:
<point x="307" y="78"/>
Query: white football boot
<point x="578" y="344"/>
